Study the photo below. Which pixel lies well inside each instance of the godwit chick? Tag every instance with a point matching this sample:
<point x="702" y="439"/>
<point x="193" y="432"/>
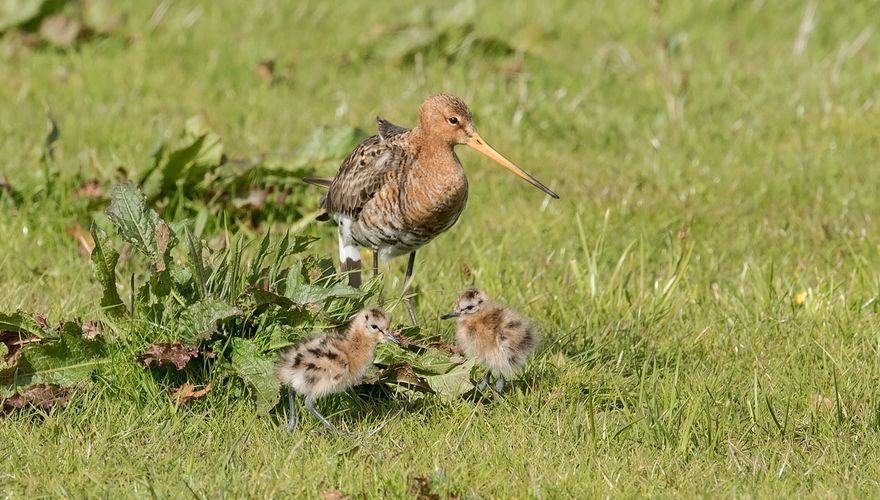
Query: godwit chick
<point x="332" y="362"/>
<point x="498" y="337"/>
<point x="401" y="188"/>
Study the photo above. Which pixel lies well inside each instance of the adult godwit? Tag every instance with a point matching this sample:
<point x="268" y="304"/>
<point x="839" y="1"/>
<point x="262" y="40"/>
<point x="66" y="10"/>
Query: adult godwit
<point x="401" y="188"/>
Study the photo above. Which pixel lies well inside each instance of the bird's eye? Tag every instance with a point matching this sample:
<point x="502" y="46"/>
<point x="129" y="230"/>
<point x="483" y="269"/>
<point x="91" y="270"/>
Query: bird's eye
<point x="470" y="307"/>
<point x="453" y="120"/>
<point x="374" y="327"/>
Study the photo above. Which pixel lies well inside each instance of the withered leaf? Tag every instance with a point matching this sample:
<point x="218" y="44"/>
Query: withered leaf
<point x="83" y="237"/>
<point x="44" y="396"/>
<point x="167" y="353"/>
<point x="446" y="347"/>
<point x="90" y="330"/>
<point x="820" y="402"/>
<point x="14" y="342"/>
<point x="265" y="70"/>
<point x="60" y="30"/>
<point x="255" y="199"/>
<point x="40" y="318"/>
<point x="89" y="189"/>
<point x="421" y="489"/>
<point x="187" y="392"/>
<point x="162" y="235"/>
<point x="332" y="495"/>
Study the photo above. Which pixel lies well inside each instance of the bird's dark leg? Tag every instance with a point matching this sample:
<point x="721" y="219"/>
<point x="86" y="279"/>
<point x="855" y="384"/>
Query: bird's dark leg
<point x="485" y="382"/>
<point x="310" y="404"/>
<point x="349" y="257"/>
<point x="376" y="273"/>
<point x="499" y="384"/>
<point x="353" y="268"/>
<point x="291" y="398"/>
<point x="407" y="279"/>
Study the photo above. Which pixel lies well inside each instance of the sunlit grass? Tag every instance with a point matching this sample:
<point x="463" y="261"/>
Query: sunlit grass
<point x="707" y="285"/>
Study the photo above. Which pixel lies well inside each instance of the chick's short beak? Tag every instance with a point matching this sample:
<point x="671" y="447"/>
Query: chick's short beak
<point x="390" y="337"/>
<point x="450" y="315"/>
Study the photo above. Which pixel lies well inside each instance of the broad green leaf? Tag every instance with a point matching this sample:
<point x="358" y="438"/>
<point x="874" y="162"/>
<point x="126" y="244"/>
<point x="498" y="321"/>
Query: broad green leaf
<point x="194" y="247"/>
<point x="453" y="383"/>
<point x="387" y="354"/>
<point x="188" y="166"/>
<point x="307" y="293"/>
<point x="199" y="321"/>
<point x="104" y="258"/>
<point x="258" y="372"/>
<point x="67" y="361"/>
<point x="300" y="291"/>
<point x="436" y="362"/>
<point x="401" y="374"/>
<point x="20" y="322"/>
<point x="134" y="220"/>
<point x="256" y="266"/>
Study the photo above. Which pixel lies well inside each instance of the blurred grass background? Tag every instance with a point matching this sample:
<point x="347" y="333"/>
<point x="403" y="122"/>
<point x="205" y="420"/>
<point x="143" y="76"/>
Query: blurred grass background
<point x="707" y="284"/>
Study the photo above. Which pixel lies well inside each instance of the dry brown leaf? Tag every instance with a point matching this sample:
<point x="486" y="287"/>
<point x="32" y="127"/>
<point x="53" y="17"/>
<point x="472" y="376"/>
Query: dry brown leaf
<point x="44" y="396"/>
<point x="682" y="232"/>
<point x="421" y="490"/>
<point x="167" y="353"/>
<point x="14" y="342"/>
<point x="818" y="402"/>
<point x="446" y="347"/>
<point x="83" y="237"/>
<point x="332" y="495"/>
<point x="163" y="234"/>
<point x="187" y="392"/>
<point x="41" y="320"/>
<point x="90" y="330"/>
<point x="466" y="272"/>
<point x="265" y="70"/>
<point x="89" y="189"/>
<point x="255" y="200"/>
<point x="60" y="30"/>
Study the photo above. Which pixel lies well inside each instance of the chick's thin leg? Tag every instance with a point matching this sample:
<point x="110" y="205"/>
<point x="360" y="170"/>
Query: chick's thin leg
<point x="499" y="384"/>
<point x="291" y="399"/>
<point x="407" y="279"/>
<point x="485" y="382"/>
<point x="310" y="404"/>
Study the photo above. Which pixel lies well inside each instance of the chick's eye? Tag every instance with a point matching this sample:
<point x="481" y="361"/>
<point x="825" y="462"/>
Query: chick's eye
<point x="374" y="327"/>
<point x="470" y="307"/>
<point x="453" y="120"/>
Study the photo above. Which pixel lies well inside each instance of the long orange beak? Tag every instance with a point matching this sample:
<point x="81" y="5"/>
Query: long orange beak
<point x="480" y="145"/>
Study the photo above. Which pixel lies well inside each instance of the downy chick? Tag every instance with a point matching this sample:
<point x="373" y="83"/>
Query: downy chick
<point x="497" y="337"/>
<point x="332" y="362"/>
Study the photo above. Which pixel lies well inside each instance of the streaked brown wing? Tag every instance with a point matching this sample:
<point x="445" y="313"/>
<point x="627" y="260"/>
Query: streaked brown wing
<point x="362" y="174"/>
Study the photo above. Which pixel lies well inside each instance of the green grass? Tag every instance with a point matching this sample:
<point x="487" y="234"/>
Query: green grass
<point x="677" y="360"/>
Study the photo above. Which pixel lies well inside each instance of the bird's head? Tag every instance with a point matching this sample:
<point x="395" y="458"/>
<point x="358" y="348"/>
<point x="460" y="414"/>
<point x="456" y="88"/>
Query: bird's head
<point x="470" y="302"/>
<point x="448" y="119"/>
<point x="374" y="323"/>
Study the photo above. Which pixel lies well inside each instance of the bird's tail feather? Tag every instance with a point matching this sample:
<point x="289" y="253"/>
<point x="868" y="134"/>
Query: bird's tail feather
<point x="323" y="182"/>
